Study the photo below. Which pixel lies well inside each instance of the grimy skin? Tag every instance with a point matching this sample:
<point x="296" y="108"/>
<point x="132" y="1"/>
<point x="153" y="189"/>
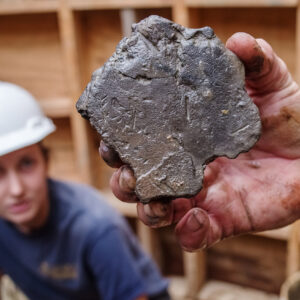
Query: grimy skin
<point x="259" y="190"/>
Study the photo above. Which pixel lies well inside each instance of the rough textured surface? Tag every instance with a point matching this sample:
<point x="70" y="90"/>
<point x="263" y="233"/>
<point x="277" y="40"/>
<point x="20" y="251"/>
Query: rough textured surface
<point x="169" y="100"/>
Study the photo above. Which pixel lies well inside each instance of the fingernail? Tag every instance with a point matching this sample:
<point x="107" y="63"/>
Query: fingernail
<point x="148" y="210"/>
<point x="160" y="209"/>
<point x="194" y="222"/>
<point x="127" y="180"/>
<point x="157" y="209"/>
<point x="157" y="217"/>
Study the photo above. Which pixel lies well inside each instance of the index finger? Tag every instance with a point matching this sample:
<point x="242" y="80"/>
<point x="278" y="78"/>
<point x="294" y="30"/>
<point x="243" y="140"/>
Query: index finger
<point x="109" y="155"/>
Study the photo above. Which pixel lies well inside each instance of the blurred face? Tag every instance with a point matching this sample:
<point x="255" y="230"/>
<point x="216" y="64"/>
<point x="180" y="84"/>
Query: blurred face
<point x="23" y="188"/>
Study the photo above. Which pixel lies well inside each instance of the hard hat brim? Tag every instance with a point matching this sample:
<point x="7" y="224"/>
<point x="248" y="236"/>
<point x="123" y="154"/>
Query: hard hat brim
<point x="25" y="137"/>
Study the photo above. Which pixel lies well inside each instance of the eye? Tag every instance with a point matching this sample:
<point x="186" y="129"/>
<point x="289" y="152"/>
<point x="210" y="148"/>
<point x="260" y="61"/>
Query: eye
<point x="27" y="164"/>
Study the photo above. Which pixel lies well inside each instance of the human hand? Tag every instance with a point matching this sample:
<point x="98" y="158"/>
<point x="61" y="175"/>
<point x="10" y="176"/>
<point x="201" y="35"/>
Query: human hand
<point x="259" y="190"/>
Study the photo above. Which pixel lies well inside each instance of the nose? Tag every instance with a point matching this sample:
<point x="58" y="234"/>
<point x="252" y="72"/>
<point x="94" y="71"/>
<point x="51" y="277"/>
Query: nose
<point x="16" y="187"/>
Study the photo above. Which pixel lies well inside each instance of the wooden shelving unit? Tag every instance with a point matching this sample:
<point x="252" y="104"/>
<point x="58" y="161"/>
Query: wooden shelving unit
<point x="51" y="47"/>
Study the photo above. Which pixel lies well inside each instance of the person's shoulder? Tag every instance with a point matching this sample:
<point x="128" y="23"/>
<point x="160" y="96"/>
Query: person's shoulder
<point x="83" y="202"/>
<point x="69" y="188"/>
<point x="77" y="193"/>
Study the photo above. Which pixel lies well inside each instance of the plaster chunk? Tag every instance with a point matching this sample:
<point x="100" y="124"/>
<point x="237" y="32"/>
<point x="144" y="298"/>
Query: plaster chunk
<point x="170" y="100"/>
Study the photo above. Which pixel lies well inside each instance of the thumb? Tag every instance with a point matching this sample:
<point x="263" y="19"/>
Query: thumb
<point x="265" y="71"/>
<point x="197" y="230"/>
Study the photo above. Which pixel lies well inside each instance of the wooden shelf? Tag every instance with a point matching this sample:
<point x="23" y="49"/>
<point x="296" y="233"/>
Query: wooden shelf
<point x="241" y="3"/>
<point x="28" y="6"/>
<point x="57" y="107"/>
<point x="118" y="4"/>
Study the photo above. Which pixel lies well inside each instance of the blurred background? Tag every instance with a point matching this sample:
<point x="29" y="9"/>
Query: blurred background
<point x="51" y="48"/>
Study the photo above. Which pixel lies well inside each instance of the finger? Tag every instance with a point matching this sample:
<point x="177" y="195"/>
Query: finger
<point x="211" y="174"/>
<point x="122" y="184"/>
<point x="265" y="71"/>
<point x="181" y="206"/>
<point x="197" y="230"/>
<point x="127" y="180"/>
<point x="156" y="214"/>
<point x="110" y="156"/>
<point x="250" y="53"/>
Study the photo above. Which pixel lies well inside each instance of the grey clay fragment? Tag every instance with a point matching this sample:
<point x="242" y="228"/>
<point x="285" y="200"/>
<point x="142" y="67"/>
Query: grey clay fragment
<point x="170" y="100"/>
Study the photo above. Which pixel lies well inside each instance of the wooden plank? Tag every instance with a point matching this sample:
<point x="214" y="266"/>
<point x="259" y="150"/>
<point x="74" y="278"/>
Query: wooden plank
<point x="293" y="255"/>
<point x="8" y="7"/>
<point x="180" y="13"/>
<point x="297" y="37"/>
<point x="57" y="107"/>
<point x="241" y="3"/>
<point x="117" y="4"/>
<point x="128" y="17"/>
<point x="70" y="53"/>
<point x="194" y="272"/>
<point x="278" y="234"/>
<point x="293" y="251"/>
<point x="150" y="241"/>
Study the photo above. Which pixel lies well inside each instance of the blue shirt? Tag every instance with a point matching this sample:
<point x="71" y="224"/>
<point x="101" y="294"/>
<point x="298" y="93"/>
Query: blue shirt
<point x="85" y="251"/>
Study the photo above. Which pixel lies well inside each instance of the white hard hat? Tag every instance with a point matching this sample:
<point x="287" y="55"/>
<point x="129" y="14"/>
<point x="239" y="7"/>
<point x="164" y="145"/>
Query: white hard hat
<point x="22" y="122"/>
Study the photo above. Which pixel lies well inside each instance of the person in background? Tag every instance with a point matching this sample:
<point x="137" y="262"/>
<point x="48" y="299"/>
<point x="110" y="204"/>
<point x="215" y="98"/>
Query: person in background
<point x="259" y="190"/>
<point x="61" y="240"/>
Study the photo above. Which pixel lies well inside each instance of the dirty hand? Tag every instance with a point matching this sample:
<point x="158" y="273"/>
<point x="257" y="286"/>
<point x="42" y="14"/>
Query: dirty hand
<point x="257" y="191"/>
